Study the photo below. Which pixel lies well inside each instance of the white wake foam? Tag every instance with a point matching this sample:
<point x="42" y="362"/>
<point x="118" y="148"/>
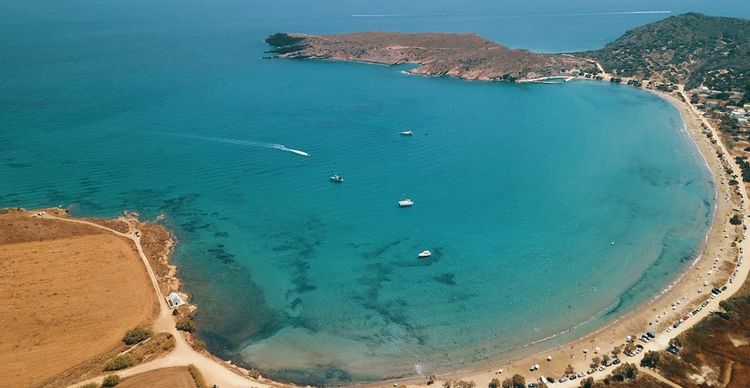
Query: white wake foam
<point x="249" y="143"/>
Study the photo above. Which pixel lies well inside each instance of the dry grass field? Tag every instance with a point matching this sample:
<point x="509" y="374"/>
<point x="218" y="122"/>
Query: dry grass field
<point x="68" y="293"/>
<point x="716" y="352"/>
<point x="177" y="377"/>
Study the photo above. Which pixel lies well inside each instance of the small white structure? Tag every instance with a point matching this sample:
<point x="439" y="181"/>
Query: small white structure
<point x="174" y="300"/>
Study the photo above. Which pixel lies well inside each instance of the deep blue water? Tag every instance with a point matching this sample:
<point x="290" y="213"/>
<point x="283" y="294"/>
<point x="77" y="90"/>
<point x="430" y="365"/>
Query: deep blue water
<point x="520" y="190"/>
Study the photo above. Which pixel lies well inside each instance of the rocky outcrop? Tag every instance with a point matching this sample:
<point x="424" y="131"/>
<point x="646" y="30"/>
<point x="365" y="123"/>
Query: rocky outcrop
<point x="466" y="56"/>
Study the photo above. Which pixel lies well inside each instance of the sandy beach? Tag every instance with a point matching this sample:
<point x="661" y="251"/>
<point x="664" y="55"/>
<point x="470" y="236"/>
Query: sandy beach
<point x="714" y="264"/>
<point x="716" y="261"/>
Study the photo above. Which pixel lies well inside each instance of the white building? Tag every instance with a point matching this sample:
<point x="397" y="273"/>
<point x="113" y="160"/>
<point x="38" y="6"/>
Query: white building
<point x="174" y="300"/>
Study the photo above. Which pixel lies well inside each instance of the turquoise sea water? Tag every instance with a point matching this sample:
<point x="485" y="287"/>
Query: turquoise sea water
<point x="520" y="190"/>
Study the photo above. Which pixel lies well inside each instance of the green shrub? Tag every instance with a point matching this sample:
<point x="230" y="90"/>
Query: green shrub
<point x="197" y="376"/>
<point x="650" y="359"/>
<point x="134" y="336"/>
<point x="517" y="381"/>
<point x="186" y="324"/>
<point x="254" y="373"/>
<point x="464" y="384"/>
<point x="120" y="362"/>
<point x="111" y="381"/>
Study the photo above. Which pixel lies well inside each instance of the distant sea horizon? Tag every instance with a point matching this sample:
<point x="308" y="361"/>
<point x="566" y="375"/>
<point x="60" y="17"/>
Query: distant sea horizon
<point x="546" y="207"/>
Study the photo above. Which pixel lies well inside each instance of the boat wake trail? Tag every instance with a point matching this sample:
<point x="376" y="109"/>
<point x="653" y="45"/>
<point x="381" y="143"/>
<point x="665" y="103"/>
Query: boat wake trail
<point x="284" y="148"/>
<point x="249" y="143"/>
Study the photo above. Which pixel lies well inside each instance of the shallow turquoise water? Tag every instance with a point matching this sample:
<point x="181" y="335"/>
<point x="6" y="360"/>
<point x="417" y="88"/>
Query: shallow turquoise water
<point x="520" y="190"/>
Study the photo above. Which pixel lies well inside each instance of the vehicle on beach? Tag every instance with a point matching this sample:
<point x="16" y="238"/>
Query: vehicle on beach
<point x="406" y="202"/>
<point x="425" y="254"/>
<point x="407" y="133"/>
<point x="337" y="178"/>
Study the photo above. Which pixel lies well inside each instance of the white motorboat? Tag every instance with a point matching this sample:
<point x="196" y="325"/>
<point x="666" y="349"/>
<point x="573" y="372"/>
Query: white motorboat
<point x="337" y="178"/>
<point x="407" y="133"/>
<point x="424" y="254"/>
<point x="406" y="202"/>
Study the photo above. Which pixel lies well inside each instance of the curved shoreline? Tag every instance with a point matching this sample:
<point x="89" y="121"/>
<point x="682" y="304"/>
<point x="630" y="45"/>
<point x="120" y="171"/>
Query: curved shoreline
<point x="565" y="353"/>
<point x="516" y="364"/>
<point x="632" y="317"/>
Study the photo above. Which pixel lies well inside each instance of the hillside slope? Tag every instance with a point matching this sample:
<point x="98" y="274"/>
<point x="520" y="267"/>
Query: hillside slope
<point x="691" y="48"/>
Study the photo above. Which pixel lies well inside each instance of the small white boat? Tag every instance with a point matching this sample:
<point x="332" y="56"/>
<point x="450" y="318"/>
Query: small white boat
<point x="406" y="202"/>
<point x="424" y="254"/>
<point x="407" y="133"/>
<point x="337" y="178"/>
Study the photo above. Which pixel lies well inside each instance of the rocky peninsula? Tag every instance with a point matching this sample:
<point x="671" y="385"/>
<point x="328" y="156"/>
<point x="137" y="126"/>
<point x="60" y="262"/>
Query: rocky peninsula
<point x="465" y="56"/>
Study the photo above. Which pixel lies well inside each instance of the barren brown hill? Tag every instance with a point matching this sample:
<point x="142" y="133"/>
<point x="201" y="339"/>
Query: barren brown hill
<point x="68" y="293"/>
<point x="466" y="56"/>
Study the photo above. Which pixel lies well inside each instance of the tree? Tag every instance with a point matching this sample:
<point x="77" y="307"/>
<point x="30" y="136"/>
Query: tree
<point x="464" y="384"/>
<point x="650" y="359"/>
<point x="616" y="350"/>
<point x="569" y="370"/>
<point x="588" y="382"/>
<point x="625" y="371"/>
<point x="674" y="342"/>
<point x="605" y="359"/>
<point x="517" y="381"/>
<point x="121" y="361"/>
<point x="134" y="336"/>
<point x="494" y="383"/>
<point x="630" y="370"/>
<point x="186" y="324"/>
<point x="431" y="379"/>
<point x="629" y="348"/>
<point x="595" y="361"/>
<point x="111" y="381"/>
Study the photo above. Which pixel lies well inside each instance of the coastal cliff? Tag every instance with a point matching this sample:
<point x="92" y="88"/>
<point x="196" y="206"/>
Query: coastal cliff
<point x="465" y="56"/>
